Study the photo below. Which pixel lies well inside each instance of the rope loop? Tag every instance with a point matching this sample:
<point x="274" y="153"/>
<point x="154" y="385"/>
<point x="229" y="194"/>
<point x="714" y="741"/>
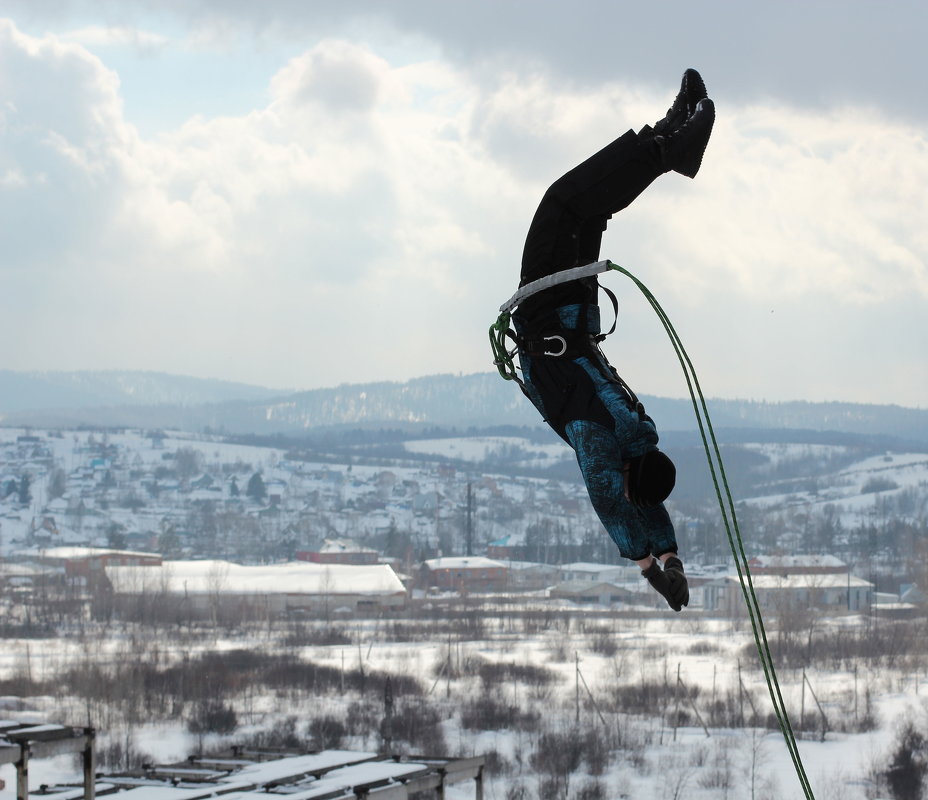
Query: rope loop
<point x="503" y="356"/>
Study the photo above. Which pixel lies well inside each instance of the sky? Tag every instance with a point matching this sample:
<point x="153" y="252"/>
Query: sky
<point x="304" y="194"/>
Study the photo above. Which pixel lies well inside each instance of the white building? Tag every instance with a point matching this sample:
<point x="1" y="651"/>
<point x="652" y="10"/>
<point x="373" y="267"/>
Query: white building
<point x="206" y="586"/>
<point x="599" y="573"/>
<point x="828" y="592"/>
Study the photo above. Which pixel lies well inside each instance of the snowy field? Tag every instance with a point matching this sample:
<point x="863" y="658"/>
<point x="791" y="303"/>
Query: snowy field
<point x="855" y="490"/>
<point x="657" y="760"/>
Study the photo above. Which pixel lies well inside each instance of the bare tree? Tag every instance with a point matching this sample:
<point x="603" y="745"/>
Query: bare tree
<point x="57" y="484"/>
<point x="217" y="582"/>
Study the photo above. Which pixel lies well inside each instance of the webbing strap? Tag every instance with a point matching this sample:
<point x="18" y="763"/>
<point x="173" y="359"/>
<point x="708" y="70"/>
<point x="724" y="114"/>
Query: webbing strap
<point x="573" y="274"/>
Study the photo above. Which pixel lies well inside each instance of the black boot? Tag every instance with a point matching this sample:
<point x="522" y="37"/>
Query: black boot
<point x="670" y="582"/>
<point x="679" y="588"/>
<point x="695" y="89"/>
<point x="692" y="90"/>
<point x="682" y="149"/>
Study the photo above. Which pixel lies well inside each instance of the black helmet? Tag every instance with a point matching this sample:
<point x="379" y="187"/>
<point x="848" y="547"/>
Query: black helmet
<point x="651" y="478"/>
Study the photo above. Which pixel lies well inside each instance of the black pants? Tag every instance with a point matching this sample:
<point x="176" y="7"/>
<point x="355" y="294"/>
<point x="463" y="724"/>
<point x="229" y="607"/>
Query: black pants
<point x="568" y="225"/>
<point x="580" y="397"/>
<point x="567" y="231"/>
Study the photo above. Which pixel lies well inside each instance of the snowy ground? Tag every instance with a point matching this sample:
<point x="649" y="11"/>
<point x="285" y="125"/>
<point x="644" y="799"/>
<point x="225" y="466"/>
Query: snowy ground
<point x="706" y="653"/>
<point x="857" y="491"/>
<point x="684" y="760"/>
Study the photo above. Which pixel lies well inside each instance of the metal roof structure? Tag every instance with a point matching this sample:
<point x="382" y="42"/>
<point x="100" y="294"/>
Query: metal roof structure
<point x="240" y="774"/>
<point x="21" y="742"/>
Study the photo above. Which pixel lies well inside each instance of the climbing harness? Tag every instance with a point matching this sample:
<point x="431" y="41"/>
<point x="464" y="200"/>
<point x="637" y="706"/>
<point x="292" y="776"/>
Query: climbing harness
<point x="556" y="342"/>
<point x="500" y="331"/>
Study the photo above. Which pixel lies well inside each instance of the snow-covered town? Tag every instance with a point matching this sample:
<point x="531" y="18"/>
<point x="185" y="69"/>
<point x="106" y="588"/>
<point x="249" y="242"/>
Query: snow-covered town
<point x="147" y="491"/>
<point x="204" y="517"/>
<point x="124" y="500"/>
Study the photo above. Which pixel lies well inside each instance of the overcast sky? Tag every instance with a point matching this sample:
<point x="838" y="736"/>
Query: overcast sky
<point x="301" y="194"/>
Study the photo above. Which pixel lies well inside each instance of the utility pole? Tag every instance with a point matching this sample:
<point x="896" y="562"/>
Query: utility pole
<point x="469" y="529"/>
<point x="577" y="682"/>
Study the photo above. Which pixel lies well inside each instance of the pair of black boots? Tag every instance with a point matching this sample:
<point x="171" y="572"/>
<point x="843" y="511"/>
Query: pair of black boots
<point x="681" y="137"/>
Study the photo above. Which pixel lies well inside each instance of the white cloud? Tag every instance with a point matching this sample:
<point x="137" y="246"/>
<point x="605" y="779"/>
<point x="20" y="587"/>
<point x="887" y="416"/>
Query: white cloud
<point x="792" y="203"/>
<point x="146" y="42"/>
<point x="337" y="78"/>
<point x="306" y="193"/>
<point x="366" y="222"/>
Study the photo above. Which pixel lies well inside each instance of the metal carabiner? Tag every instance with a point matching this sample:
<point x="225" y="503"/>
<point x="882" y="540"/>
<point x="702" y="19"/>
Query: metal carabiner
<point x="563" y="344"/>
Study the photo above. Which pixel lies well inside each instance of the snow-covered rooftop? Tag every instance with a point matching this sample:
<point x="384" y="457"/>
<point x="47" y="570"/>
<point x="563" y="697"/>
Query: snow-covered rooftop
<point x="343" y="546"/>
<point x="463" y="562"/>
<point x="329" y="774"/>
<point x="826" y="581"/>
<point x="786" y="562"/>
<point x="268" y="771"/>
<point x="588" y="566"/>
<point x="294" y="577"/>
<point x="70" y="553"/>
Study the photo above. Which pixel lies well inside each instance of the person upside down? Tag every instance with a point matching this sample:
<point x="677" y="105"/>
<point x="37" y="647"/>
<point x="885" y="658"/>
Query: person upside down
<point x="565" y="374"/>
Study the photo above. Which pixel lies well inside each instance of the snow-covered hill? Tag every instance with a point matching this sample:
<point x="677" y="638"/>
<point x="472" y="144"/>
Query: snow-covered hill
<point x="35" y="391"/>
<point x="898" y="480"/>
<point x="461" y="402"/>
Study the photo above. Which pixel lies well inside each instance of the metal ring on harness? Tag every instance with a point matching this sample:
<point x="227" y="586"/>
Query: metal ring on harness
<point x="563" y="345"/>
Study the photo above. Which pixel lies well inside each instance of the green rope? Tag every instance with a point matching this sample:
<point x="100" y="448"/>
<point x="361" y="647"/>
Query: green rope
<point x="503" y="360"/>
<point x="734" y="539"/>
<point x="502" y="356"/>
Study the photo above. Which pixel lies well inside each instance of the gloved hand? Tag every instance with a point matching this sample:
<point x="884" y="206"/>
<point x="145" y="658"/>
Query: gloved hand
<point x="670" y="582"/>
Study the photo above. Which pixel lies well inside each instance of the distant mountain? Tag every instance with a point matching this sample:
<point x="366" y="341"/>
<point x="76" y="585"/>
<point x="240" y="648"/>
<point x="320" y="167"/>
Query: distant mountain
<point x="441" y="400"/>
<point x="31" y="391"/>
<point x="461" y="402"/>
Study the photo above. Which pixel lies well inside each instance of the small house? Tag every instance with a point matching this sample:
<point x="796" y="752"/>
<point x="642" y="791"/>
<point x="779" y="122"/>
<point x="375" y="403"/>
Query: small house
<point x="340" y="551"/>
<point x="464" y="574"/>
